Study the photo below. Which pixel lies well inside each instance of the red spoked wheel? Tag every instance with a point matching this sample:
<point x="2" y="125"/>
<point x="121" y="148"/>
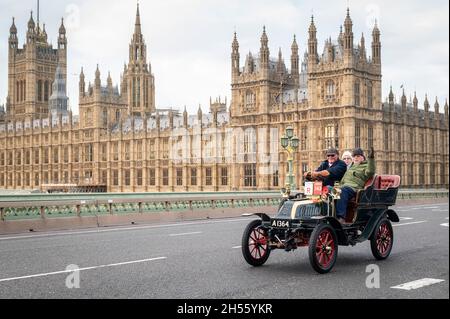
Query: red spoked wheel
<point x="382" y="239"/>
<point x="255" y="244"/>
<point x="323" y="248"/>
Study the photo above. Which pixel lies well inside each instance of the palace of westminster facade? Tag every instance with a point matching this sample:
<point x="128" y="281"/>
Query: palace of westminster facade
<point x="120" y="142"/>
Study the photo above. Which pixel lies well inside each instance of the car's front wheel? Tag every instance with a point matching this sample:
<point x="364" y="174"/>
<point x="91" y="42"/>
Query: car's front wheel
<point x="255" y="244"/>
<point x="323" y="248"/>
<point x="382" y="239"/>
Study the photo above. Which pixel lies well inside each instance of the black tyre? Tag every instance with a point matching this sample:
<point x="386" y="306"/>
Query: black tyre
<point x="382" y="239"/>
<point x="255" y="244"/>
<point x="323" y="248"/>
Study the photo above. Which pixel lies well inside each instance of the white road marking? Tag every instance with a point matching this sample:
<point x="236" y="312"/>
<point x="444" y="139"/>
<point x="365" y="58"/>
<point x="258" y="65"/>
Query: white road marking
<point x="236" y="247"/>
<point x="445" y="224"/>
<point x="405" y="218"/>
<point x="124" y="228"/>
<point x="183" y="234"/>
<point x="418" y="283"/>
<point x="403" y="224"/>
<point x="80" y="269"/>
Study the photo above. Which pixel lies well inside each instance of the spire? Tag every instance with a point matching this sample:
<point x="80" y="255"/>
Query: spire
<point x="82" y="84"/>
<point x="403" y="101"/>
<point x="137" y="24"/>
<point x="446" y="109"/>
<point x="109" y="80"/>
<point x="348" y="22"/>
<point x="97" y="78"/>
<point x="363" y="47"/>
<point x="312" y="42"/>
<point x="294" y="58"/>
<point x="235" y="56"/>
<point x="436" y="106"/>
<point x="426" y="104"/>
<point x="199" y="112"/>
<point x="280" y="68"/>
<point x="264" y="39"/>
<point x="235" y="44"/>
<point x="294" y="46"/>
<point x="31" y="24"/>
<point x="391" y="96"/>
<point x="62" y="28"/>
<point x="415" y="102"/>
<point x="264" y="51"/>
<point x="348" y="35"/>
<point x="312" y="26"/>
<point x="44" y="32"/>
<point x="13" y="29"/>
<point x="376" y="45"/>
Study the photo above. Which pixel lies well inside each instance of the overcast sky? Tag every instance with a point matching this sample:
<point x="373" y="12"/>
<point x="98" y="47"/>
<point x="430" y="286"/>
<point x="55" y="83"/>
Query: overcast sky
<point x="189" y="41"/>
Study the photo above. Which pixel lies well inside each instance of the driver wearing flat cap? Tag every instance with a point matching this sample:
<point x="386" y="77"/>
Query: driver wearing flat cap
<point x="330" y="170"/>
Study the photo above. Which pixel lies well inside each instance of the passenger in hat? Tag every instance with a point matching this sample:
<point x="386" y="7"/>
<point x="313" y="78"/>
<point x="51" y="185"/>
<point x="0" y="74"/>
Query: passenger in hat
<point x="354" y="179"/>
<point x="347" y="158"/>
<point x="330" y="170"/>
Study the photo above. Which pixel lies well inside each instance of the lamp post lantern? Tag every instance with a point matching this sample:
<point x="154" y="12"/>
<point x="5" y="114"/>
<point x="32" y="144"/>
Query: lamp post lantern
<point x="290" y="143"/>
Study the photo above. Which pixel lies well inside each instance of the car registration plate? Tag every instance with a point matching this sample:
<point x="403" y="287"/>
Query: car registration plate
<point x="280" y="223"/>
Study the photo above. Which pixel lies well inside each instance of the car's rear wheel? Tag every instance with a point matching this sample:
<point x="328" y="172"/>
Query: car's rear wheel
<point x="382" y="239"/>
<point x="323" y="248"/>
<point x="255" y="244"/>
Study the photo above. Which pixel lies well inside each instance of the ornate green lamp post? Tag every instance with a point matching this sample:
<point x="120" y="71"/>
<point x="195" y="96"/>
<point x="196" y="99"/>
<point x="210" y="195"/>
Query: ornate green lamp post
<point x="290" y="143"/>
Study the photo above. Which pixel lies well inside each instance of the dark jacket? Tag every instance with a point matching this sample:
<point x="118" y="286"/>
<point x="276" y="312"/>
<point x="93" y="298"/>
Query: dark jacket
<point x="337" y="171"/>
<point x="358" y="175"/>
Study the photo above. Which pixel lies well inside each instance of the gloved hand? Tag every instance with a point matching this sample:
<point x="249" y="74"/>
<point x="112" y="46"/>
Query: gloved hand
<point x="371" y="153"/>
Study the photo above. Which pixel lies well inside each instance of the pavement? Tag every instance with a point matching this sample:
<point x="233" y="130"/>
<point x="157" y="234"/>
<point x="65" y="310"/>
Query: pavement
<point x="203" y="259"/>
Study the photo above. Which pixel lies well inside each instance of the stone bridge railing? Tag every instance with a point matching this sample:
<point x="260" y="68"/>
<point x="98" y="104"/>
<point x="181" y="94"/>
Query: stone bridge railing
<point x="77" y="205"/>
<point x="43" y="206"/>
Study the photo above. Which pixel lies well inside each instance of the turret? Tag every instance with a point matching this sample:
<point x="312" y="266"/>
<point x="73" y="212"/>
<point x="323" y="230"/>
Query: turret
<point x="426" y="104"/>
<point x="294" y="59"/>
<point x="199" y="113"/>
<point x="31" y="33"/>
<point x="109" y="82"/>
<point x="312" y="43"/>
<point x="44" y="34"/>
<point x="415" y="103"/>
<point x="235" y="57"/>
<point x="446" y="111"/>
<point x="403" y="101"/>
<point x="363" y="56"/>
<point x="249" y="63"/>
<point x="13" y="41"/>
<point x="341" y="37"/>
<point x="264" y="50"/>
<point x="376" y="45"/>
<point x="348" y="36"/>
<point x="436" y="108"/>
<point x="82" y="85"/>
<point x="97" y="82"/>
<point x="280" y="64"/>
<point x="391" y="100"/>
<point x="62" y="41"/>
<point x="185" y="117"/>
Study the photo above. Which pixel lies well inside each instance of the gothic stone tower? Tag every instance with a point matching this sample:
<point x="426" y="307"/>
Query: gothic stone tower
<point x="344" y="91"/>
<point x="260" y="91"/>
<point x="31" y="71"/>
<point x="138" y="82"/>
